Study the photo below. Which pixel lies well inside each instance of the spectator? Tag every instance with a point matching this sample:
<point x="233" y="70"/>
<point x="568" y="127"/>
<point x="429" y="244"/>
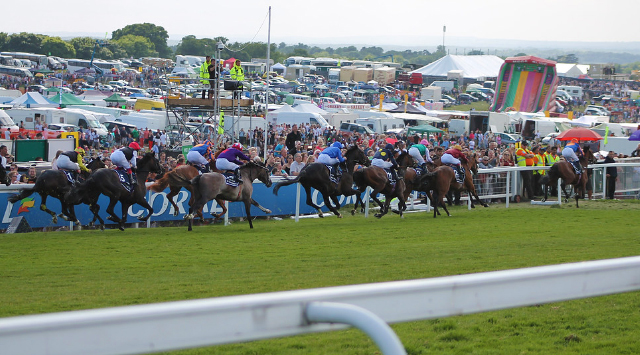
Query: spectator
<point x="612" y="175"/>
<point x="297" y="165"/>
<point x="31" y="176"/>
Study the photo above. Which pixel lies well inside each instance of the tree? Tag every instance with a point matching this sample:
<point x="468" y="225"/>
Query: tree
<point x="4" y="40"/>
<point x="224" y="40"/>
<point x="83" y="46"/>
<point x="25" y="42"/>
<point x="521" y="54"/>
<point x="137" y="46"/>
<point x="156" y="34"/>
<point x="189" y="45"/>
<point x="299" y="52"/>
<point x="568" y="58"/>
<point x="57" y="47"/>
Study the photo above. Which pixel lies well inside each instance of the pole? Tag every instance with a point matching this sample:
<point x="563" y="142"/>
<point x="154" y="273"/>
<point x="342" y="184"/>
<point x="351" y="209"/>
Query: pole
<point x="266" y="107"/>
<point x="297" y="202"/>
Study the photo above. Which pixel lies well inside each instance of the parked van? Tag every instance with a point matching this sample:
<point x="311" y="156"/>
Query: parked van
<point x="143" y="120"/>
<point x="6" y="123"/>
<point x="300" y="118"/>
<point x="458" y="127"/>
<point x="30" y="116"/>
<point x="84" y="119"/>
<point x="348" y="129"/>
<point x="291" y="98"/>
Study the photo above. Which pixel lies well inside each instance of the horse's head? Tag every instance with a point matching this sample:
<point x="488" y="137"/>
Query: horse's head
<point x="258" y="171"/>
<point x="76" y="194"/>
<point x="356" y="155"/>
<point x="404" y="160"/>
<point x="95" y="164"/>
<point x="472" y="163"/>
<point x="150" y="163"/>
<point x="588" y="156"/>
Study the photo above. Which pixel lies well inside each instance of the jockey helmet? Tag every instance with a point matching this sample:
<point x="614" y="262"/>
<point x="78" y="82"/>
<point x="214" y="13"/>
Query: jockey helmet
<point x="574" y="140"/>
<point x="237" y="146"/>
<point x="424" y="142"/>
<point x="134" y="146"/>
<point x="458" y="147"/>
<point x="389" y="146"/>
<point x="337" y="145"/>
<point x="80" y="150"/>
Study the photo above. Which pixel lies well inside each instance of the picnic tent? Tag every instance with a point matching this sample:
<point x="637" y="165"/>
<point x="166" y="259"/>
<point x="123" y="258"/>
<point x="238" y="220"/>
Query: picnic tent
<point x="31" y="99"/>
<point x="472" y="66"/>
<point x="115" y="98"/>
<point x="67" y="99"/>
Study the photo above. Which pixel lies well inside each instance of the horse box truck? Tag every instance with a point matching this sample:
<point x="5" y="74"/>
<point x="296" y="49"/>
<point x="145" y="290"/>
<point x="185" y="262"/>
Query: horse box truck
<point x="78" y="117"/>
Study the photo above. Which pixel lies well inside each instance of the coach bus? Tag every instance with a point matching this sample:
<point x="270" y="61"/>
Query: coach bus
<point x="14" y="71"/>
<point x="73" y="65"/>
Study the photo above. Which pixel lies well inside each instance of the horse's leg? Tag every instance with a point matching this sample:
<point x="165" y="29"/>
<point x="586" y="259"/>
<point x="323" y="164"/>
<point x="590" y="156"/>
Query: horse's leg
<point x="143" y="202"/>
<point x="70" y="211"/>
<point x="125" y="212"/>
<point x="247" y="209"/>
<point x="475" y="195"/>
<point x="327" y="202"/>
<point x="220" y="203"/>
<point x="307" y="189"/>
<point x="265" y="210"/>
<point x="43" y="207"/>
<point x="385" y="209"/>
<point x="173" y="192"/>
<point x="110" y="210"/>
<point x="450" y="197"/>
<point x="95" y="209"/>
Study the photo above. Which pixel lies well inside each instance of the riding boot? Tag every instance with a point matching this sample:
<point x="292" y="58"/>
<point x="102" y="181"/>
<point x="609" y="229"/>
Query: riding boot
<point x="336" y="171"/>
<point x="237" y="176"/>
<point x="424" y="167"/>
<point x="577" y="166"/>
<point x="394" y="174"/>
<point x="207" y="168"/>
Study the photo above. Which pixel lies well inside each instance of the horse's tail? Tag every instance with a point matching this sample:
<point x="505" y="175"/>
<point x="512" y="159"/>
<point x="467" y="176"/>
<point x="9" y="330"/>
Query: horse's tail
<point x="358" y="178"/>
<point x="285" y="182"/>
<point x="23" y="194"/>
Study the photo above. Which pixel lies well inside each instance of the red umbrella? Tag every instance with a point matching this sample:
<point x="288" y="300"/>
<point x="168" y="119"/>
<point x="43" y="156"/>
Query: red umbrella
<point x="391" y="140"/>
<point x="579" y="133"/>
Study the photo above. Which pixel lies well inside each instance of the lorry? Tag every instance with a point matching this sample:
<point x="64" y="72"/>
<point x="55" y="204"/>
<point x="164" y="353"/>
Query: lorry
<point x="431" y="93"/>
<point x="485" y="121"/>
<point x="532" y="125"/>
<point x="384" y="75"/>
<point x="298" y="118"/>
<point x="363" y="74"/>
<point x="458" y="127"/>
<point x="446" y="86"/>
<point x="334" y="76"/>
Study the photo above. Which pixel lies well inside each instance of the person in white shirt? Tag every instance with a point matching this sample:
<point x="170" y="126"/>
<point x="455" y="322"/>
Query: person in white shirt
<point x="297" y="165"/>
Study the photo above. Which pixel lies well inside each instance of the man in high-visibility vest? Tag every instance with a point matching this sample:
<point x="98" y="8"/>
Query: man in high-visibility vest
<point x="538" y="159"/>
<point x="204" y="77"/>
<point x="237" y="73"/>
<point x="524" y="157"/>
<point x="551" y="157"/>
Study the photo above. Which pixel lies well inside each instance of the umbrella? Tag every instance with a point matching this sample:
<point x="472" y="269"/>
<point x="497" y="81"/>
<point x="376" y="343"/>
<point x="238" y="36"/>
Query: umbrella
<point x="635" y="136"/>
<point x="579" y="133"/>
<point x="391" y="140"/>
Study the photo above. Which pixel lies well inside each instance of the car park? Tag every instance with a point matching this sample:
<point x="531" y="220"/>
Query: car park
<point x="508" y="138"/>
<point x="466" y="98"/>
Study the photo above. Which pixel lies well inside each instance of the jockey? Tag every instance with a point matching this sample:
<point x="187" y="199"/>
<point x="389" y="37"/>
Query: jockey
<point x="452" y="158"/>
<point x="332" y="157"/>
<point x="72" y="160"/>
<point x="569" y="153"/>
<point x="126" y="158"/>
<point x="228" y="160"/>
<point x="200" y="155"/>
<point x="384" y="159"/>
<point x="418" y="151"/>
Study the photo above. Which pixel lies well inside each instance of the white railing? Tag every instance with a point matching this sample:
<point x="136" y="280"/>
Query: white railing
<point x="197" y="323"/>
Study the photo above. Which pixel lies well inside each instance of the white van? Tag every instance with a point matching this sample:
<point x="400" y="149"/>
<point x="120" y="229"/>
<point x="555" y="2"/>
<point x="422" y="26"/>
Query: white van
<point x="381" y="125"/>
<point x="84" y="119"/>
<point x="446" y="86"/>
<point x="574" y="91"/>
<point x="300" y="118"/>
<point x="30" y="116"/>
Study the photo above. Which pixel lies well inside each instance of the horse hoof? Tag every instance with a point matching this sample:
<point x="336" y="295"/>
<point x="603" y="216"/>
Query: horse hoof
<point x="485" y="205"/>
<point x="543" y="200"/>
<point x="110" y="218"/>
<point x="121" y="228"/>
<point x="339" y="215"/>
<point x="54" y="220"/>
<point x="102" y="227"/>
<point x="267" y="211"/>
<point x="175" y="213"/>
<point x="353" y="212"/>
<point x="76" y="222"/>
<point x="140" y="218"/>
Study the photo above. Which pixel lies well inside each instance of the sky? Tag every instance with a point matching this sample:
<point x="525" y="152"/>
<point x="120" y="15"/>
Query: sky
<point x="366" y="22"/>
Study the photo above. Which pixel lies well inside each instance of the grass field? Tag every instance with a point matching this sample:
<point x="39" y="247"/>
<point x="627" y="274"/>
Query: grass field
<point x="61" y="271"/>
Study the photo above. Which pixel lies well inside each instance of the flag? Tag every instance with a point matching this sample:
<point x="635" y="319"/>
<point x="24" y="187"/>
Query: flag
<point x="606" y="135"/>
<point x="221" y="123"/>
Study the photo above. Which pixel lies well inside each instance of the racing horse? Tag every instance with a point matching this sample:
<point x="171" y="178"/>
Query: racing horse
<point x="376" y="178"/>
<point x="54" y="183"/>
<point x="107" y="182"/>
<point x="565" y="171"/>
<point x="470" y="164"/>
<point x="316" y="176"/>
<point x="209" y="186"/>
<point x="442" y="179"/>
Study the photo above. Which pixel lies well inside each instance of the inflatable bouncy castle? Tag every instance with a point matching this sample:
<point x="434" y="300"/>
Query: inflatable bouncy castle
<point x="526" y="84"/>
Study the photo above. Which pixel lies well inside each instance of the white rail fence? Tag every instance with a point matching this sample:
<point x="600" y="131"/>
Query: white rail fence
<point x="197" y="323"/>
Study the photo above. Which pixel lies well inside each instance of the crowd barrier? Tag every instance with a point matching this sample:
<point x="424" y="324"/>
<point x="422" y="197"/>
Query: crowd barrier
<point x="498" y="185"/>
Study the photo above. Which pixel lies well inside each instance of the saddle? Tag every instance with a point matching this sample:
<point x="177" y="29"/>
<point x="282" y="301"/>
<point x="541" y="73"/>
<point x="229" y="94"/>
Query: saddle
<point x="70" y="174"/>
<point x="230" y="178"/>
<point x="577" y="167"/>
<point x="334" y="173"/>
<point x="390" y="176"/>
<point x="128" y="182"/>
<point x="459" y="173"/>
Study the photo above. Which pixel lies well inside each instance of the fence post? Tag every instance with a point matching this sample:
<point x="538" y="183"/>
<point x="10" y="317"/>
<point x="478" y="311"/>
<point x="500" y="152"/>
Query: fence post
<point x="297" y="202"/>
<point x="506" y="190"/>
<point x="226" y="215"/>
<point x="604" y="183"/>
<point x="560" y="191"/>
<point x="367" y="191"/>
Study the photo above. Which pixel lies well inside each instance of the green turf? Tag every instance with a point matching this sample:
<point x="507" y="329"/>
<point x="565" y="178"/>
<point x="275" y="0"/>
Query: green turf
<point x="478" y="106"/>
<point x="60" y="271"/>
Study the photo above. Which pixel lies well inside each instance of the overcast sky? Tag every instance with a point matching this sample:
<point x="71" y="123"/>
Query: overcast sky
<point x="370" y="22"/>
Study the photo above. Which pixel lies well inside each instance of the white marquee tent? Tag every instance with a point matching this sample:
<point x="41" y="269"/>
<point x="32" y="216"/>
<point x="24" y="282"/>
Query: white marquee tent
<point x="472" y="66"/>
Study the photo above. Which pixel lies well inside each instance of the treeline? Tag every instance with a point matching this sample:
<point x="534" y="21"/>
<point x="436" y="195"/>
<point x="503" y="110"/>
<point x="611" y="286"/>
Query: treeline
<point x="149" y="40"/>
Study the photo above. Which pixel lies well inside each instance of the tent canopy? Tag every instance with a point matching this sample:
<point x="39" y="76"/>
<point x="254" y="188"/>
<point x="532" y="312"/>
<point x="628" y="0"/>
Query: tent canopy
<point x="68" y="99"/>
<point x="424" y="128"/>
<point x="32" y="99"/>
<point x="115" y="98"/>
<point x="472" y="66"/>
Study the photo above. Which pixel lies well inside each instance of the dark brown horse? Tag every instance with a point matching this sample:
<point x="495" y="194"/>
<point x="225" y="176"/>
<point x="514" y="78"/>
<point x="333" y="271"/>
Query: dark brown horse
<point x="442" y="179"/>
<point x="316" y="176"/>
<point x="470" y="165"/>
<point x="376" y="178"/>
<point x="564" y="170"/>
